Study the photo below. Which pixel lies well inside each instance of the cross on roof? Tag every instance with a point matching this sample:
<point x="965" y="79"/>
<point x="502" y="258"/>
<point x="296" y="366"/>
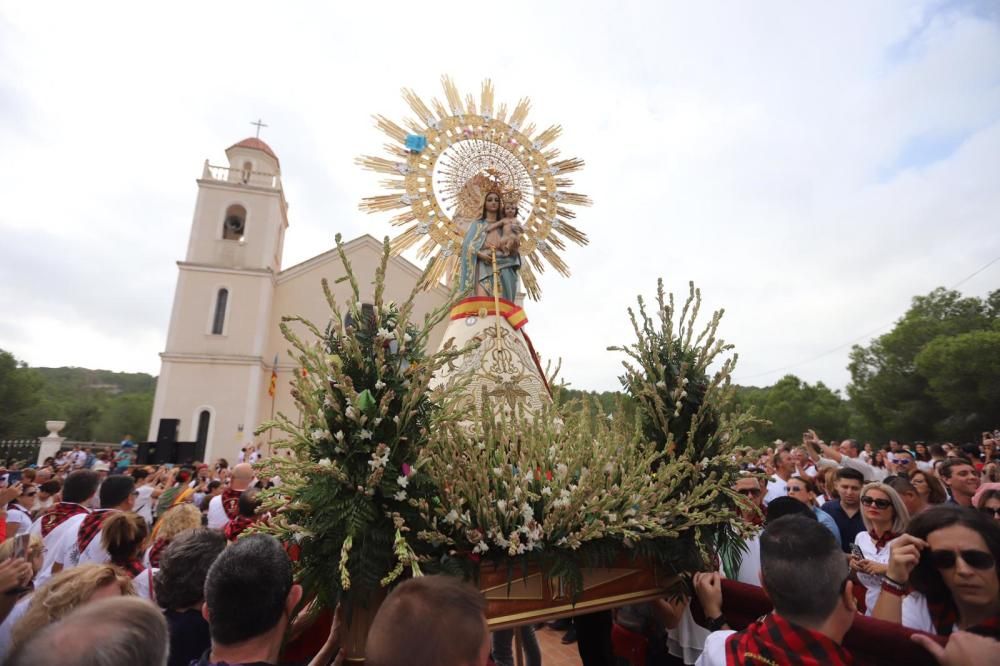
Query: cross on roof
<point x="258" y="124"/>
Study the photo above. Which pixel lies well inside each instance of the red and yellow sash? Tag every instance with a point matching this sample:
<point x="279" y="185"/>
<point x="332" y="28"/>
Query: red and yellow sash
<point x="485" y="306"/>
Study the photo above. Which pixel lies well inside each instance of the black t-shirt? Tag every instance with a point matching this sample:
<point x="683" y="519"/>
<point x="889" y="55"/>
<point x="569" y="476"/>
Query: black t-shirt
<point x="849" y="526"/>
<point x="189" y="636"/>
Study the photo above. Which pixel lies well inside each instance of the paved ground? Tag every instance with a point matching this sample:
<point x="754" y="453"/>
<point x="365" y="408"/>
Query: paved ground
<point x="555" y="653"/>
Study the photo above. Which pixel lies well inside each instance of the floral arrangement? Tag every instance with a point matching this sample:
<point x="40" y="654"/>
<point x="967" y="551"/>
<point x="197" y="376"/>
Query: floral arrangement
<point x="351" y="474"/>
<point x="572" y="485"/>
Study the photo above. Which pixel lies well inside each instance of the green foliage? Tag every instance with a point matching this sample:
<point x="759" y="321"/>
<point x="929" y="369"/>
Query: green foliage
<point x="899" y="391"/>
<point x="792" y="406"/>
<point x="19" y="389"/>
<point x="352" y="480"/>
<point x="97" y="405"/>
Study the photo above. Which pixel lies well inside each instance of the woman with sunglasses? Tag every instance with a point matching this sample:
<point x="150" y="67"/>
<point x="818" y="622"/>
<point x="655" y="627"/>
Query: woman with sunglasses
<point x="943" y="575"/>
<point x="929" y="487"/>
<point x="885" y="518"/>
<point x="986" y="500"/>
<point x="19" y="511"/>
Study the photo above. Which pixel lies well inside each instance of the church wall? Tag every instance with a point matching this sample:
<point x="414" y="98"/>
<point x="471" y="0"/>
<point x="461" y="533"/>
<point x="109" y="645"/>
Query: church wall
<point x="264" y="223"/>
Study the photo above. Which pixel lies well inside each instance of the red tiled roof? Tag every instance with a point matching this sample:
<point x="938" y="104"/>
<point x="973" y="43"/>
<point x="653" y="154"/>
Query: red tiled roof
<point x="257" y="144"/>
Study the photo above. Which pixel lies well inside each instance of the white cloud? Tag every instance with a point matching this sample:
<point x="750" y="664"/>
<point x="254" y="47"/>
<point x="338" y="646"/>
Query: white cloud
<point x="754" y="149"/>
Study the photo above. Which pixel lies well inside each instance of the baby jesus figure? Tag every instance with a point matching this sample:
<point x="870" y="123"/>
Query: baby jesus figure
<point x="510" y="241"/>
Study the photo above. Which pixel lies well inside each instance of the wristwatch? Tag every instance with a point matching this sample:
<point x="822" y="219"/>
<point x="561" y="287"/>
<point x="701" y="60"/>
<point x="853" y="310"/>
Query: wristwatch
<point x="715" y="623"/>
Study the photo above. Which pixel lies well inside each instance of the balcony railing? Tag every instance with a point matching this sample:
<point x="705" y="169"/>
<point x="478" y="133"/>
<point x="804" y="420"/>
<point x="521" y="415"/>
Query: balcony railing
<point x="241" y="176"/>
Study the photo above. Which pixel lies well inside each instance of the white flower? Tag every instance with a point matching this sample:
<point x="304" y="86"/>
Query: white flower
<point x="400" y="496"/>
<point x="395" y="419"/>
<point x="527" y="512"/>
<point x="379" y="385"/>
<point x="546" y="490"/>
<point x="327" y="401"/>
<point x="451" y="517"/>
<point x="339" y="436"/>
<point x="402" y="481"/>
<point x="612" y="517"/>
<point x="497" y="471"/>
<point x="319" y="435"/>
<point x="562" y="470"/>
<point x="481" y="547"/>
<point x="365" y="434"/>
<point x="407" y="337"/>
<point x="481" y="446"/>
<point x="529" y="476"/>
<point x="684" y="381"/>
<point x="661" y="384"/>
<point x="383" y="333"/>
<point x="502" y="505"/>
<point x="378" y="419"/>
<point x="349" y="412"/>
<point x="325" y="462"/>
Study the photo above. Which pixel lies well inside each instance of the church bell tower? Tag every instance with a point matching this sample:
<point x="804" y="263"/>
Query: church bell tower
<point x="212" y="375"/>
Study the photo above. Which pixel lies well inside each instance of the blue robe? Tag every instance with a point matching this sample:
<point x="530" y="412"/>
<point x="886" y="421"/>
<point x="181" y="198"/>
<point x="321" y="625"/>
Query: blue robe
<point x="475" y="270"/>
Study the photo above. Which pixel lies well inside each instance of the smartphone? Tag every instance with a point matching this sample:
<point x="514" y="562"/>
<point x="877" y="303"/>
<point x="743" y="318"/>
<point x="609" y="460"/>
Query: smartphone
<point x="856" y="551"/>
<point x="14" y="477"/>
<point x="21" y="542"/>
<point x="168" y="465"/>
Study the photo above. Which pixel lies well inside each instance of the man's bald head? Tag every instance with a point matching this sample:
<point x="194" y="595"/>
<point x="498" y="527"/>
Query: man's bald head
<point x="242" y="476"/>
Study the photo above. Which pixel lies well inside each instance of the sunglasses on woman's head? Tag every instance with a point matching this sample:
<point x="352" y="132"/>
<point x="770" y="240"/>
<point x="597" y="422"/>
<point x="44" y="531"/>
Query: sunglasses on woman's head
<point x="995" y="513"/>
<point x="749" y="492"/>
<point x="795" y="489"/>
<point x="879" y="503"/>
<point x="977" y="559"/>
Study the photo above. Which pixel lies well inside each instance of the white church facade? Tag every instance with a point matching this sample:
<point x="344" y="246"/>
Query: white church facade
<point x="231" y="295"/>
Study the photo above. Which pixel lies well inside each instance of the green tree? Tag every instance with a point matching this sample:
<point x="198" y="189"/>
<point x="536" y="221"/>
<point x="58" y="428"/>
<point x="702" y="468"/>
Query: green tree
<point x="892" y="392"/>
<point x="19" y="390"/>
<point x="124" y="414"/>
<point x="793" y="406"/>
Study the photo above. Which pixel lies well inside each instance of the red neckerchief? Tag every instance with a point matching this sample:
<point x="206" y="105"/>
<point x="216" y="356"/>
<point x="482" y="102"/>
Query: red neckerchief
<point x="944" y="617"/>
<point x="774" y="640"/>
<point x="236" y="526"/>
<point x="133" y="567"/>
<point x="90" y="527"/>
<point x="57" y="514"/>
<point x="156" y="550"/>
<point x="880" y="541"/>
<point x="231" y="502"/>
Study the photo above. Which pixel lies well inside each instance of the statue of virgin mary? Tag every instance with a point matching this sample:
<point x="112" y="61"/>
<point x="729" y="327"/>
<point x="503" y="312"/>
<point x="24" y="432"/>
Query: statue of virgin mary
<point x="494" y="236"/>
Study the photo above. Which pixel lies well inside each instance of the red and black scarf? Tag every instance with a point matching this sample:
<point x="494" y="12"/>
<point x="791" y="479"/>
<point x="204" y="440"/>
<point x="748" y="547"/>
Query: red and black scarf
<point x="234" y="528"/>
<point x="774" y="640"/>
<point x="156" y="550"/>
<point x="59" y="513"/>
<point x="231" y="502"/>
<point x="90" y="527"/>
<point x="944" y="617"/>
<point x="880" y="541"/>
<point x="133" y="567"/>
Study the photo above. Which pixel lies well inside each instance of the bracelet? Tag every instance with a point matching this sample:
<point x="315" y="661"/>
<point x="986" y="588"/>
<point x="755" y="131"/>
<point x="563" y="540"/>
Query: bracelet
<point x="892" y="589"/>
<point x="892" y="581"/>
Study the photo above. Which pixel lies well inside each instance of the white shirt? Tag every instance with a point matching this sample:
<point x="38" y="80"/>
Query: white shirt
<point x="7" y="628"/>
<point x="18" y="514"/>
<point x="144" y="584"/>
<point x="776" y="487"/>
<point x="714" y="652"/>
<point x="217" y="517"/>
<point x="144" y="503"/>
<point x="873" y="584"/>
<point x="869" y="472"/>
<point x="79" y="458"/>
<point x="57" y="545"/>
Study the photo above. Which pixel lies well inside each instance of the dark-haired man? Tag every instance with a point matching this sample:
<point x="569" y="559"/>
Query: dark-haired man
<point x="846" y="511"/>
<point x="807" y="578"/>
<point x="962" y="481"/>
<point x="430" y="621"/>
<point x="84" y="544"/>
<point x="249" y="598"/>
<point x="64" y="518"/>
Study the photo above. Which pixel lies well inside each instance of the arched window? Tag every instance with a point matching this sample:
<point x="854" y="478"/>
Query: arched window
<point x="234" y="226"/>
<point x="204" y="419"/>
<point x="219" y="320"/>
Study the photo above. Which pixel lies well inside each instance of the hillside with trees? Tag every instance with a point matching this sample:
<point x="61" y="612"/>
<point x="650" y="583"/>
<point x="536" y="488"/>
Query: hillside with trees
<point x="97" y="405"/>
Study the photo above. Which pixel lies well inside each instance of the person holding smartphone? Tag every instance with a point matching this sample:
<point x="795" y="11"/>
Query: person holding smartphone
<point x="19" y="511"/>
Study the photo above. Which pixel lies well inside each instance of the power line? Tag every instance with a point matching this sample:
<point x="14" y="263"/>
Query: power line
<point x="866" y="335"/>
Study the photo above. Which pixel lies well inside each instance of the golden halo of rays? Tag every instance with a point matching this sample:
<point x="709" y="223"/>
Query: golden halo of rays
<point x="468" y="144"/>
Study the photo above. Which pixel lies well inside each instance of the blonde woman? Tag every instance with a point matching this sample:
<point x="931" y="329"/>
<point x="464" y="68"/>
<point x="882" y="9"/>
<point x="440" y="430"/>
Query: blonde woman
<point x="176" y="520"/>
<point x="61" y="594"/>
<point x="885" y="518"/>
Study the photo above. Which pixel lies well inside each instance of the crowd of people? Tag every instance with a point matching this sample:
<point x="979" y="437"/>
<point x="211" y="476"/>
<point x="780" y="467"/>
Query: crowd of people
<point x="107" y="562"/>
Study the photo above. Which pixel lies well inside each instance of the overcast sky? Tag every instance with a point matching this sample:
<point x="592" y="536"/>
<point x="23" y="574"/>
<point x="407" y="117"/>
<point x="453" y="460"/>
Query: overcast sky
<point x="810" y="165"/>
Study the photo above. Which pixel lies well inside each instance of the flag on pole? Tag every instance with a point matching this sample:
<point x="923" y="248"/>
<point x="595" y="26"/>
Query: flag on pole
<point x="273" y="387"/>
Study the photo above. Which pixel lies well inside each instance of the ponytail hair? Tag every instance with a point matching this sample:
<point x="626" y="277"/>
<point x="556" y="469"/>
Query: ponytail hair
<point x="123" y="535"/>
